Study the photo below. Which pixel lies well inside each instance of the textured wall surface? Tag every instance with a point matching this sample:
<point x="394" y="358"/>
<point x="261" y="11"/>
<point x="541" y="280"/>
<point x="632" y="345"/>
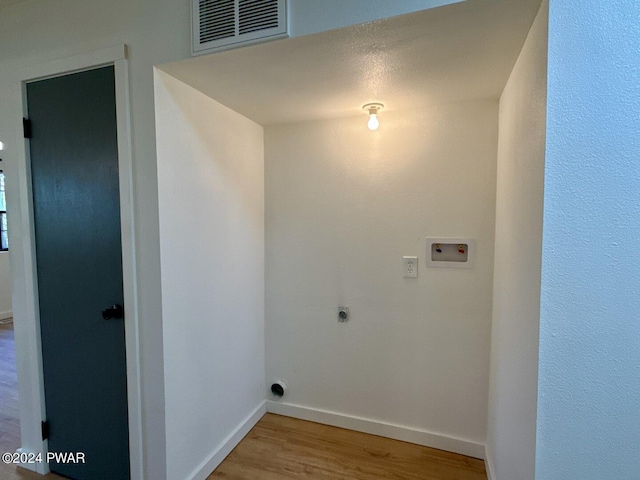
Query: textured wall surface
<point x="311" y="16"/>
<point x="589" y="373"/>
<point x="511" y="438"/>
<point x="343" y="205"/>
<point x="39" y="31"/>
<point x="155" y="32"/>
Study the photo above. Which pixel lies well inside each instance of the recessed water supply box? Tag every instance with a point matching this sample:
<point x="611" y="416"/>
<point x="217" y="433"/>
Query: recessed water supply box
<point x="450" y="252"/>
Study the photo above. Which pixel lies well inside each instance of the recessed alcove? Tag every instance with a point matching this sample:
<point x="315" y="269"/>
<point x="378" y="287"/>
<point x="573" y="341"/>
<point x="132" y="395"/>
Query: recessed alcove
<point x="278" y="204"/>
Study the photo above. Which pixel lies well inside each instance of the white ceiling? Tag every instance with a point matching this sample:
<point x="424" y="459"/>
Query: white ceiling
<point x="6" y="3"/>
<point x="449" y="54"/>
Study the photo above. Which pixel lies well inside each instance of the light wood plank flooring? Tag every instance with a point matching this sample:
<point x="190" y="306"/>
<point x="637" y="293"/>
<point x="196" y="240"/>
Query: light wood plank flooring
<point x="9" y="413"/>
<point x="277" y="448"/>
<point x="281" y="448"/>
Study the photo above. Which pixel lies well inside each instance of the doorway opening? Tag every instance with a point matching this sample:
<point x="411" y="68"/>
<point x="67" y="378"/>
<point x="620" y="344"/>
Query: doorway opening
<point x="27" y="313"/>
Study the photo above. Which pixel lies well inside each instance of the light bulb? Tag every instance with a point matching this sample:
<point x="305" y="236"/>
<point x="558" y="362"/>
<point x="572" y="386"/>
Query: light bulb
<point x="373" y="123"/>
<point x="372" y="110"/>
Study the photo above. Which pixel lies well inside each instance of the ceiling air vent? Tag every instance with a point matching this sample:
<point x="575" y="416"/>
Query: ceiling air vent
<point x="222" y="24"/>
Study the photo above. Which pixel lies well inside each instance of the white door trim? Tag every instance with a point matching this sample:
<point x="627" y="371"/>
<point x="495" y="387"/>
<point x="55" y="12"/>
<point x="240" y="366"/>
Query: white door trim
<point x="26" y="314"/>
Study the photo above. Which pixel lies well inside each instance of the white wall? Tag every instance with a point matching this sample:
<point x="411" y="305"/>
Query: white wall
<point x="211" y="198"/>
<point x="589" y="375"/>
<point x="312" y="16"/>
<point x="511" y="439"/>
<point x="343" y="205"/>
<point x="156" y="32"/>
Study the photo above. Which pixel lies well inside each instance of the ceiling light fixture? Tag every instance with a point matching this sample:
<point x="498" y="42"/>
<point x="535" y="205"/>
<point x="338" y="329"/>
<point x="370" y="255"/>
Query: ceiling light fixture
<point x="372" y="109"/>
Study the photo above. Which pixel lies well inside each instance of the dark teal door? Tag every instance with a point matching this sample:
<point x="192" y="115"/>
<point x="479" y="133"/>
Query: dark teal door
<point x="74" y="169"/>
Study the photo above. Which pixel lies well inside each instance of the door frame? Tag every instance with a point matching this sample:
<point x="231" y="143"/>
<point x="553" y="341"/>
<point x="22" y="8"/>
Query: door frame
<point x="26" y="311"/>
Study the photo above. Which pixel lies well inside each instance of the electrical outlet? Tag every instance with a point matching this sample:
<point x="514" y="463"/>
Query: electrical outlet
<point x="410" y="267"/>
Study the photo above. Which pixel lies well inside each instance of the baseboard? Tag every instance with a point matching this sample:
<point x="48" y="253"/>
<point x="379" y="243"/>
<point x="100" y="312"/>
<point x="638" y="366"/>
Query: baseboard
<point x="220" y="453"/>
<point x="488" y="463"/>
<point x="41" y="468"/>
<point x="28" y="466"/>
<point x="373" y="427"/>
<point x="5" y="315"/>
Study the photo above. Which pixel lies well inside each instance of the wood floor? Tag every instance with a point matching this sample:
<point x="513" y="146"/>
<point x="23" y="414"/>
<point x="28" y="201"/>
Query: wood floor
<point x="9" y="413"/>
<point x="277" y="448"/>
<point x="281" y="448"/>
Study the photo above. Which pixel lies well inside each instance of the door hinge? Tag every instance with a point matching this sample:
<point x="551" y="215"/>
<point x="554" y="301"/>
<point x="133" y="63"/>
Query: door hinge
<point x="26" y="127"/>
<point x="45" y="430"/>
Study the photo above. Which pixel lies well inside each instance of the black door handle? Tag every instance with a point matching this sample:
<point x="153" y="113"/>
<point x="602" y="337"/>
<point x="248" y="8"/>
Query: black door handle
<point x="114" y="311"/>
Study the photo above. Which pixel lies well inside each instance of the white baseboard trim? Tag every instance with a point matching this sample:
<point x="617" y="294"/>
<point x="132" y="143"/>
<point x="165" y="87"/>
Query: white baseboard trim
<point x="220" y="453"/>
<point x="5" y="315"/>
<point x="40" y="467"/>
<point x="488" y="463"/>
<point x="373" y="427"/>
